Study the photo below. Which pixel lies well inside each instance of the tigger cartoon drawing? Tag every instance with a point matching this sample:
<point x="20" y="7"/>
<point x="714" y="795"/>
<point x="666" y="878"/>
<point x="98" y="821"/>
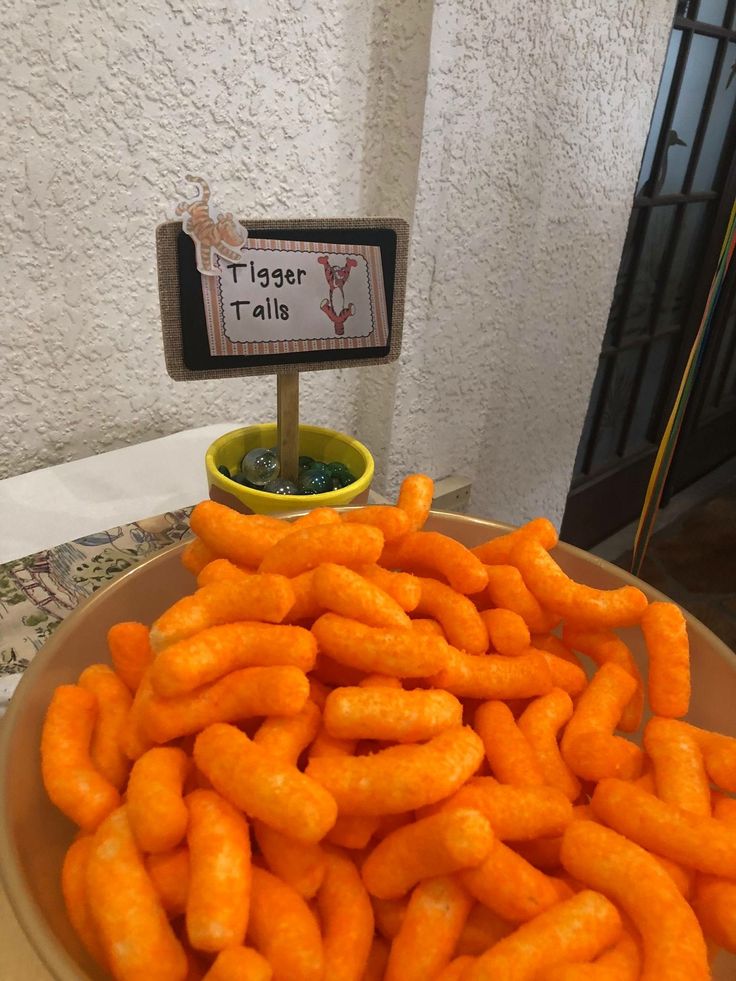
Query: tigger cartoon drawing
<point x="334" y="307"/>
<point x="222" y="235"/>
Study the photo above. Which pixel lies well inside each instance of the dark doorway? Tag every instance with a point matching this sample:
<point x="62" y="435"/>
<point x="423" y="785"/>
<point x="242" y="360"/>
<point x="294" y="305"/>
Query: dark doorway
<point x="680" y="211"/>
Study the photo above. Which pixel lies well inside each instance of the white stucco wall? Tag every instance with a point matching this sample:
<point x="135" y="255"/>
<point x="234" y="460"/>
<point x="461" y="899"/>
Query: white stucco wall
<point x="535" y="123"/>
<point x="290" y="108"/>
<point x="532" y="133"/>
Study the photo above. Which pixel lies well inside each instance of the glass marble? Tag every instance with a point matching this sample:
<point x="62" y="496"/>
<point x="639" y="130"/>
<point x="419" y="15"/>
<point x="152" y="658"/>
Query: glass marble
<point x="224" y="471"/>
<point x="314" y="482"/>
<point x="259" y="466"/>
<point x="342" y="480"/>
<point x="280" y="485"/>
<point x="337" y="469"/>
<point x="306" y="463"/>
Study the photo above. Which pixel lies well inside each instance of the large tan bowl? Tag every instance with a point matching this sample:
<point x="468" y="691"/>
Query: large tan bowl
<point x="34" y="836"/>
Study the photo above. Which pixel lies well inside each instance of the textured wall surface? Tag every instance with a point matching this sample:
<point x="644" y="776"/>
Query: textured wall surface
<point x="533" y="134"/>
<point x="533" y="129"/>
<point x="290" y="108"/>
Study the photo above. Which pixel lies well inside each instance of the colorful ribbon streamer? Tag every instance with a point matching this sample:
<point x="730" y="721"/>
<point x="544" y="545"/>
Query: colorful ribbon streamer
<point x="672" y="431"/>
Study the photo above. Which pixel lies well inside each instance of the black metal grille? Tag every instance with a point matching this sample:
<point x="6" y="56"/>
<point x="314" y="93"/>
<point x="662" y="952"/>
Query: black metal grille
<point x="680" y="186"/>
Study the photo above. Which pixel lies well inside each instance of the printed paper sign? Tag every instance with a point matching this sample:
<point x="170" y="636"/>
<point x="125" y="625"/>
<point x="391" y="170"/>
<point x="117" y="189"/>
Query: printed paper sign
<point x="287" y="297"/>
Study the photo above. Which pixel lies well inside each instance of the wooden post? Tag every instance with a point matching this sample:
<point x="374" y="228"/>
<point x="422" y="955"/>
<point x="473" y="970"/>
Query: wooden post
<point x="287" y="417"/>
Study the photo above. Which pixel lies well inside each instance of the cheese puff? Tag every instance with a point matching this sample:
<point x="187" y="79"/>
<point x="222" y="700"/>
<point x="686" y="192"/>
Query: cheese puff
<point x="702" y="843"/>
<point x="436" y="845"/>
<point x="347" y="593"/>
<point x="493" y="675"/>
<point x="515" y="813"/>
<point x="430" y="929"/>
<point x="352" y="831"/>
<point x="309" y="547"/>
<point x="222" y="570"/>
<point x="509" y="886"/>
<point x="455" y="969"/>
<point x="646" y="780"/>
<point x="263" y="598"/>
<point x="237" y="696"/>
<point x="396" y="652"/>
<point x="375" y="967"/>
<point x="263" y="786"/>
<point x="430" y="628"/>
<point x="284" y="930"/>
<point x="507" y="631"/>
<point x="622" y="962"/>
<point x="565" y="675"/>
<point x="603" y="646"/>
<point x="597" y="755"/>
<point x="460" y="620"/>
<point x="156" y="811"/>
<point x="242" y="538"/>
<point x="575" y="929"/>
<point x="391" y="715"/>
<point x="218" y="900"/>
<point x="575" y="602"/>
<point x="720" y="762"/>
<point x="510" y="756"/>
<point x="76" y="899"/>
<point x="113" y="705"/>
<point x="673" y="945"/>
<point x="134" y="739"/>
<point x="719" y="753"/>
<point x="588" y="745"/>
<point x="497" y="551"/>
<point x="195" y="556"/>
<point x="70" y="777"/>
<point x="305" y="606"/>
<point x="553" y="645"/>
<point x="542" y="853"/>
<point x="380" y="681"/>
<point x="540" y="723"/>
<point x="441" y="554"/>
<point x="665" y="633"/>
<point x="347" y="921"/>
<point x="507" y="589"/>
<point x="683" y="878"/>
<point x="319" y="516"/>
<point x="138" y="941"/>
<point x="239" y="964"/>
<point x="335" y="675"/>
<point x="130" y="651"/>
<point x="392" y="521"/>
<point x="715" y="898"/>
<point x="401" y="586"/>
<point x="401" y="778"/>
<point x="389" y="915"/>
<point x="215" y="652"/>
<point x="287" y="736"/>
<point x="169" y="873"/>
<point x="326" y="745"/>
<point x="415" y="498"/>
<point x="482" y="929"/>
<point x="299" y="865"/>
<point x="679" y="768"/>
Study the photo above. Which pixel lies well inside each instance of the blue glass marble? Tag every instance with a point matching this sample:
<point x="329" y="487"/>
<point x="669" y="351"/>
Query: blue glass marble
<point x="279" y="485"/>
<point x="259" y="466"/>
<point x="314" y="482"/>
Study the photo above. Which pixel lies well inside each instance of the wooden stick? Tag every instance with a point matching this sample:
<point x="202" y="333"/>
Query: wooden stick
<point x="287" y="412"/>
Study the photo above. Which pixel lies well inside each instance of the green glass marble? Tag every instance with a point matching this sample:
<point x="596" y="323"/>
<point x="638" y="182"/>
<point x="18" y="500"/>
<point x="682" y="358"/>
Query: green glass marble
<point x="280" y="485"/>
<point x="314" y="482"/>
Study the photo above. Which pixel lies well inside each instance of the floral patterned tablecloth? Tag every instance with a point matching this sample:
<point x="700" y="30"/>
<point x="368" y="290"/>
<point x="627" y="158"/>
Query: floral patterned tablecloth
<point x="38" y="591"/>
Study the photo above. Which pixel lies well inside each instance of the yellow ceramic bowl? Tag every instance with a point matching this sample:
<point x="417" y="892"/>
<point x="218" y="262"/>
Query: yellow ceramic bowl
<point x="321" y="444"/>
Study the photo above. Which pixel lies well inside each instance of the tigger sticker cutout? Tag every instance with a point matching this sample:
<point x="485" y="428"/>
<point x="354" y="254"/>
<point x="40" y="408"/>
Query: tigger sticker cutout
<point x="334" y="307"/>
<point x="220" y="235"/>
